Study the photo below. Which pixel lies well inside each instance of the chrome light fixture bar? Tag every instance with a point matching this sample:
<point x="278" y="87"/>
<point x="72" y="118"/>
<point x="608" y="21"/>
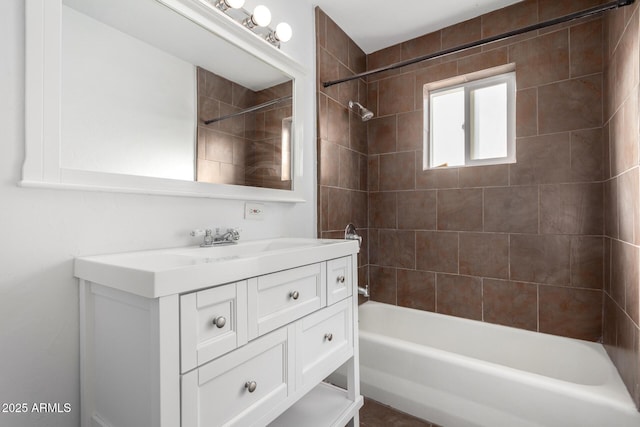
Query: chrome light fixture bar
<point x="224" y="5"/>
<point x="257" y="21"/>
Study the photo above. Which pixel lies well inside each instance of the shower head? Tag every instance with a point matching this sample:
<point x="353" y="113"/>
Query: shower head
<point x="365" y="113"/>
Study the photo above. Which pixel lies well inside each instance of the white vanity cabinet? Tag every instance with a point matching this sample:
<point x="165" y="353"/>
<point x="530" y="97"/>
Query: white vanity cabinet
<point x="244" y="349"/>
<point x="242" y="387"/>
<point x="212" y="323"/>
<point x="279" y="298"/>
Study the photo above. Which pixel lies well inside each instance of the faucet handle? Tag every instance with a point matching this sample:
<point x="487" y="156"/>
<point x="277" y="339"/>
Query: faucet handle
<point x="235" y="233"/>
<point x="208" y="237"/>
<point x="350" y="233"/>
<point x="199" y="232"/>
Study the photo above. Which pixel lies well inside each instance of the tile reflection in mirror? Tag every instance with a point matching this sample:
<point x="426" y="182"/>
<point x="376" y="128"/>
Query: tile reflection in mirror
<point x="239" y="142"/>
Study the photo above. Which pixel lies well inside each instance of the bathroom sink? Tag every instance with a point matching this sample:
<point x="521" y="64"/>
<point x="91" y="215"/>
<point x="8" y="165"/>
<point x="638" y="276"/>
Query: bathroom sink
<point x="251" y="248"/>
<point x="158" y="273"/>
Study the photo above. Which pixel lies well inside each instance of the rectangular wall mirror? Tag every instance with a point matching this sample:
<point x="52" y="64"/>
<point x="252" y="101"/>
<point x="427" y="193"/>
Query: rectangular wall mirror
<point x="158" y="96"/>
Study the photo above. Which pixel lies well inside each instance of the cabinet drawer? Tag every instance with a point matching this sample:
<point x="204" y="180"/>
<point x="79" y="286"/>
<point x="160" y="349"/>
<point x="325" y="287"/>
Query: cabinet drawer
<point x="212" y="323"/>
<point x="324" y="341"/>
<point x="339" y="279"/>
<point x="280" y="298"/>
<point x="221" y="392"/>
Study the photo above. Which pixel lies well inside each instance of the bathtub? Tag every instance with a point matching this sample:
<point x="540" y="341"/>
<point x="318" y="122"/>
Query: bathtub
<point x="457" y="373"/>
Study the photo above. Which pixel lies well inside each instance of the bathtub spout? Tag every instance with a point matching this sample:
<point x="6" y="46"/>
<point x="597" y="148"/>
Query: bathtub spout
<point x="364" y="291"/>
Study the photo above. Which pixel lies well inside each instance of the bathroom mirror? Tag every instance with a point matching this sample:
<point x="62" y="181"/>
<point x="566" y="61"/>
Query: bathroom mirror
<point x="126" y="95"/>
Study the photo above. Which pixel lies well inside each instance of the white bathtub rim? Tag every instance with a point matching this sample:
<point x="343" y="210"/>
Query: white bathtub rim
<point x="444" y="408"/>
<point x="611" y="392"/>
<point x="486" y="325"/>
<point x="591" y="346"/>
<point x="598" y="395"/>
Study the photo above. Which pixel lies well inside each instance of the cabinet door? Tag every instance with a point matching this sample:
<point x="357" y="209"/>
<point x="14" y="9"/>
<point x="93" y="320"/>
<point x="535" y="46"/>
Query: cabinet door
<point x="240" y="387"/>
<point x="212" y="323"/>
<point x="280" y="298"/>
<point x="324" y="341"/>
<point x="339" y="279"/>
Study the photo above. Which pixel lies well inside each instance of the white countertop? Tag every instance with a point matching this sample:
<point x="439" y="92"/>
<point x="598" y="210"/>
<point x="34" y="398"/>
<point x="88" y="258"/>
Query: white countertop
<point x="157" y="273"/>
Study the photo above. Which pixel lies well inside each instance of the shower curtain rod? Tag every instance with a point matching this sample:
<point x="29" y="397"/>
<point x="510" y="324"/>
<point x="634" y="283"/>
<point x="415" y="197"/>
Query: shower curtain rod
<point x="249" y="110"/>
<point x="584" y="13"/>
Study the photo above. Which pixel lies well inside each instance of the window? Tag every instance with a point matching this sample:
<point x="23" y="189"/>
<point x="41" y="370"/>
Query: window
<point x="471" y="123"/>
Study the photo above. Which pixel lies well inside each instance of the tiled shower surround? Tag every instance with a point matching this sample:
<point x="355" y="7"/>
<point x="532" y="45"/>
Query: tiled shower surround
<point x="549" y="243"/>
<point x="622" y="194"/>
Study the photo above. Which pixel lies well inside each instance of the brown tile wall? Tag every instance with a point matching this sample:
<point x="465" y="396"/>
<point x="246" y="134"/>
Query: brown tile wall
<point x="522" y="244"/>
<point x="221" y="146"/>
<point x="342" y="138"/>
<point x="243" y="150"/>
<point x="622" y="194"/>
<point x="263" y="167"/>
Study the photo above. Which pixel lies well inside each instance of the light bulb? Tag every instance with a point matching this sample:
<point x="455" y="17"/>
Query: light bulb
<point x="261" y="16"/>
<point x="284" y="32"/>
<point x="235" y="4"/>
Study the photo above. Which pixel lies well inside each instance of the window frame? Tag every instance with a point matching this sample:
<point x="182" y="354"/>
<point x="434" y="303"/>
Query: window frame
<point x="469" y="84"/>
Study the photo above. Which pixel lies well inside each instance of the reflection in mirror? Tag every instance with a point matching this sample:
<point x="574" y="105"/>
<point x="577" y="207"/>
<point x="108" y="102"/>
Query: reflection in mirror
<point x="127" y="107"/>
<point x="243" y="134"/>
<point x="135" y="95"/>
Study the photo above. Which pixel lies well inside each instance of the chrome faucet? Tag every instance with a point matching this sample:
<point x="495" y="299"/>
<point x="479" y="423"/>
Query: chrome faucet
<point x="364" y="291"/>
<point x="350" y="233"/>
<point x="230" y="237"/>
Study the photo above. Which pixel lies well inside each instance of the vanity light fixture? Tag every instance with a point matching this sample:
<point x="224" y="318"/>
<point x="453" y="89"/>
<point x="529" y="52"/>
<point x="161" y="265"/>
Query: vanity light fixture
<point x="261" y="17"/>
<point x="257" y="22"/>
<point x="223" y="5"/>
<point x="282" y="33"/>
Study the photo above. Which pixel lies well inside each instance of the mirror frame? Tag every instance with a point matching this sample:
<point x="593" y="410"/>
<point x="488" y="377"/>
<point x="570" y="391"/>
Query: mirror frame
<point x="43" y="92"/>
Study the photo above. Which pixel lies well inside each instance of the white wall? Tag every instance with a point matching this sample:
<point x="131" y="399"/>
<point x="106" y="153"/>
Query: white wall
<point x="41" y="231"/>
<point x="128" y="125"/>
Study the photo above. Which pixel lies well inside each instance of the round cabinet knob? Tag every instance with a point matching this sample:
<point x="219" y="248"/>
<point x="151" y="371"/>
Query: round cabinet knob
<point x="251" y="386"/>
<point x="220" y="321"/>
<point x="341" y="279"/>
<point x="328" y="336"/>
<point x="294" y="294"/>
